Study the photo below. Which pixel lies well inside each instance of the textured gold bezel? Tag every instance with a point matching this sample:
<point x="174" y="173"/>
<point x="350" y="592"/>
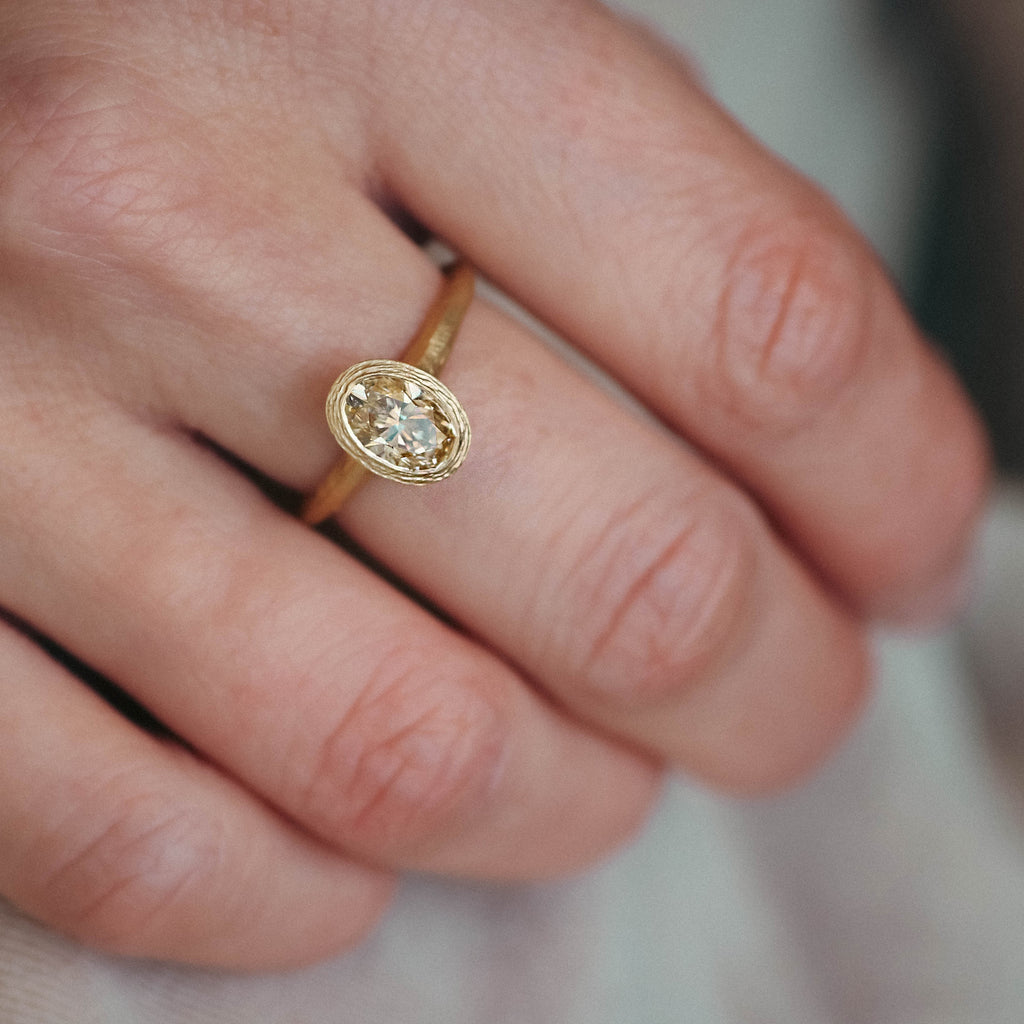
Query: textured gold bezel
<point x="435" y="393"/>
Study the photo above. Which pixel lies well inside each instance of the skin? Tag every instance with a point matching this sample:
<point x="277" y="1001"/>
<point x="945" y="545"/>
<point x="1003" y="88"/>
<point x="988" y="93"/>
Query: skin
<point x="201" y="219"/>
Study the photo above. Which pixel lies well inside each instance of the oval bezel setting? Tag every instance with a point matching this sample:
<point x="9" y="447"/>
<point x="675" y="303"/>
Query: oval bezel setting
<point x="398" y="421"/>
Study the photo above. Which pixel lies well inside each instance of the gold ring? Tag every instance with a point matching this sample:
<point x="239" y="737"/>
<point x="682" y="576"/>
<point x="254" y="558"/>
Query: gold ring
<point x="393" y="417"/>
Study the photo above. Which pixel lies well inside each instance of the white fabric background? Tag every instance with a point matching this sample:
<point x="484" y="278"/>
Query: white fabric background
<point x="889" y="889"/>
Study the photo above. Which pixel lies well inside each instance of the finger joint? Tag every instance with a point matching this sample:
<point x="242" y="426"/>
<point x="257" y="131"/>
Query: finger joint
<point x="666" y="594"/>
<point x="790" y="330"/>
<point x="415" y="748"/>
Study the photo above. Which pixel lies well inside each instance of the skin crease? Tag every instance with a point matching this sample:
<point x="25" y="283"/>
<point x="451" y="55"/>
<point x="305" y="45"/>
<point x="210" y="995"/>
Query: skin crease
<point x="199" y="210"/>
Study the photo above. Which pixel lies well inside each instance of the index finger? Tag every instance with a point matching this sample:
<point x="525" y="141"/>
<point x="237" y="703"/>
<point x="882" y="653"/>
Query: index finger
<point x="589" y="175"/>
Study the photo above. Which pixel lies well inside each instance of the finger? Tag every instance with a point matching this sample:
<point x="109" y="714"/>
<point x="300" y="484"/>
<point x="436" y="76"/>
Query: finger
<point x="133" y="845"/>
<point x="295" y="668"/>
<point x="583" y="168"/>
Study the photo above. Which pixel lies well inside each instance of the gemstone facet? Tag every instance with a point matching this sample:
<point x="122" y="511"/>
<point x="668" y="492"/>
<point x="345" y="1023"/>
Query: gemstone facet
<point x="393" y="420"/>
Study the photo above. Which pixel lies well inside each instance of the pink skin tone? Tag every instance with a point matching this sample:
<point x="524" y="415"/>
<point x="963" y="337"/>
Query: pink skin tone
<point x="200" y="221"/>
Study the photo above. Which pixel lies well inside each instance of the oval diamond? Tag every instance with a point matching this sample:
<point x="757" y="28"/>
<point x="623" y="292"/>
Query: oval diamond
<point x="398" y="421"/>
<point x="391" y="418"/>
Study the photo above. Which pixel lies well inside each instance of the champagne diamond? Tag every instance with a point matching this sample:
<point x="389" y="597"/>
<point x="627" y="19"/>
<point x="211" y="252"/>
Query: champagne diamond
<point x="398" y="421"/>
<point x="395" y="421"/>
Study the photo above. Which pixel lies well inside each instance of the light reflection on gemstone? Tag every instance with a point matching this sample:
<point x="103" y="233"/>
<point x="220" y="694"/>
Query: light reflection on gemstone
<point x="395" y="421"/>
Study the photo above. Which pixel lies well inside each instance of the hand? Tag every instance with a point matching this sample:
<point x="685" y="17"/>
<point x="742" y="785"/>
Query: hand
<point x="202" y="223"/>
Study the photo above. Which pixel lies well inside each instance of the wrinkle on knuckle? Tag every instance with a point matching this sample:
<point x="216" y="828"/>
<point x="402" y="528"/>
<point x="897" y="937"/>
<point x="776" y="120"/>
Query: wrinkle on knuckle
<point x="91" y="162"/>
<point x="666" y="597"/>
<point x="129" y="880"/>
<point x="791" y="326"/>
<point x="414" y="749"/>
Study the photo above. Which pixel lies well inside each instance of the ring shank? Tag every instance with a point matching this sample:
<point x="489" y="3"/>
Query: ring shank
<point x="429" y="351"/>
<point x="433" y="341"/>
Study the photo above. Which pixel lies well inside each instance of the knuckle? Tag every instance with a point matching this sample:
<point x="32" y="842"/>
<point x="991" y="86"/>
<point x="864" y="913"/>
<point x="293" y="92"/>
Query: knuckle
<point x="87" y="158"/>
<point x="665" y="600"/>
<point x="418" y="746"/>
<point x="791" y="325"/>
<point x="124" y="887"/>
